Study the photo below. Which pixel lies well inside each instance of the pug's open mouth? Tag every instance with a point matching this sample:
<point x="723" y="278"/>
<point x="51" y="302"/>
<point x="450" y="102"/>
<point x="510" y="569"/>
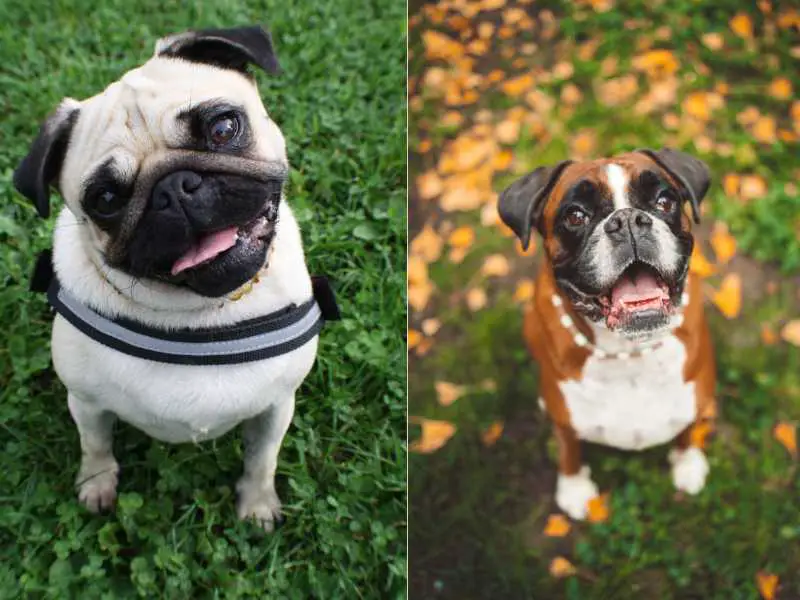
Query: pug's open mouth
<point x="640" y="300"/>
<point x="213" y="245"/>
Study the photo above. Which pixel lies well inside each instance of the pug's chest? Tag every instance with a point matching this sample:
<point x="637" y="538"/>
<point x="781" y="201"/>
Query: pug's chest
<point x="632" y="403"/>
<point x="175" y="403"/>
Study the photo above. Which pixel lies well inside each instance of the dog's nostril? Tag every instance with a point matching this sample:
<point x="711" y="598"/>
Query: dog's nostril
<point x="191" y="182"/>
<point x="613" y="224"/>
<point x="160" y="201"/>
<point x="642" y="220"/>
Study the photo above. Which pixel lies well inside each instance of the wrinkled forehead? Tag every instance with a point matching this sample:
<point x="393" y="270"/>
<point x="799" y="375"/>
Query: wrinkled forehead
<point x="606" y="180"/>
<point x="141" y="113"/>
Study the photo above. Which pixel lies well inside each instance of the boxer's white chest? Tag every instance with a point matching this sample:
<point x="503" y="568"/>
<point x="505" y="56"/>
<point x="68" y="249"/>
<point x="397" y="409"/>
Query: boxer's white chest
<point x="632" y="403"/>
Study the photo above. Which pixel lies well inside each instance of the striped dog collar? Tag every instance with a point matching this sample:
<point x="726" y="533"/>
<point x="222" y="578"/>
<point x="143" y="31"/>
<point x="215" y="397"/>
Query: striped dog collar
<point x="274" y="334"/>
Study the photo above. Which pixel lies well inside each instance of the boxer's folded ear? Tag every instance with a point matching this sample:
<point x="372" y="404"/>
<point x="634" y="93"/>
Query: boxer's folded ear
<point x="522" y="203"/>
<point x="693" y="174"/>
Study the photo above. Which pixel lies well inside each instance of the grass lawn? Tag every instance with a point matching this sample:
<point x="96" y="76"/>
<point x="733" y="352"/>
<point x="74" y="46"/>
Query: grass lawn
<point x="496" y="89"/>
<point x="341" y="105"/>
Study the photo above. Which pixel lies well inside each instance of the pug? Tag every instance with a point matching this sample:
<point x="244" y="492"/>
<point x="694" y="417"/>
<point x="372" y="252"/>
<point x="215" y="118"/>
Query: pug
<point x="184" y="305"/>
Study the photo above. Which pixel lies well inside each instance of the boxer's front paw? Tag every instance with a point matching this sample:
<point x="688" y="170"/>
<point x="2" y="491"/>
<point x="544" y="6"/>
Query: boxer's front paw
<point x="97" y="483"/>
<point x="689" y="469"/>
<point x="573" y="493"/>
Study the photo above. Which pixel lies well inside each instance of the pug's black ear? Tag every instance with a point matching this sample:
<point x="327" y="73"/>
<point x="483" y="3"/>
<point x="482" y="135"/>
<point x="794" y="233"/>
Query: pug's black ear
<point x="42" y="166"/>
<point x="521" y="204"/>
<point x="226" y="48"/>
<point x="693" y="174"/>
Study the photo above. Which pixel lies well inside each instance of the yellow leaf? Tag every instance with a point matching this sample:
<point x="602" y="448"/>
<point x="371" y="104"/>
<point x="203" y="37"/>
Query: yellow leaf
<point x="768" y="336"/>
<point x="485" y="30"/>
<point x="753" y="187"/>
<point x="786" y="434"/>
<point x="457" y="255"/>
<point x="417" y="270"/>
<point x="429" y="185"/>
<point x="584" y="143"/>
<point x="598" y="509"/>
<point x="791" y="332"/>
<point x="502" y="160"/>
<point x="557" y="526"/>
<point x="476" y="299"/>
<point x="463" y="237"/>
<point x="431" y="326"/>
<point x="723" y="242"/>
<point x="492" y="434"/>
<point x="518" y="85"/>
<point x="560" y="567"/>
<point x="427" y="245"/>
<point x="713" y="41"/>
<point x="524" y="291"/>
<point x="729" y="296"/>
<point x="495" y="265"/>
<point x="657" y="64"/>
<point x="457" y="199"/>
<point x="742" y="25"/>
<point x="435" y="434"/>
<point x="699" y="433"/>
<point x="697" y="105"/>
<point x="414" y="337"/>
<point x="571" y="94"/>
<point x="730" y="183"/>
<point x="699" y="265"/>
<point x="451" y="118"/>
<point x="438" y="45"/>
<point x="419" y="294"/>
<point x="447" y="393"/>
<point x="780" y="88"/>
<point x="507" y="132"/>
<point x="767" y="584"/>
<point x="765" y="130"/>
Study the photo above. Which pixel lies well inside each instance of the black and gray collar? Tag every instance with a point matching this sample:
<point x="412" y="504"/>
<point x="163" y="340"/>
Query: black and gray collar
<point x="268" y="336"/>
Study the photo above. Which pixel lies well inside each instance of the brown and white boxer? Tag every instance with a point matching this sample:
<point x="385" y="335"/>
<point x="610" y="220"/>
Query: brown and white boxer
<point x="617" y="323"/>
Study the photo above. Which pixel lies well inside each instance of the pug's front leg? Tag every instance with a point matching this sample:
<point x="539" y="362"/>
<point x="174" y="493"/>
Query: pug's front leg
<point x="97" y="476"/>
<point x="263" y="436"/>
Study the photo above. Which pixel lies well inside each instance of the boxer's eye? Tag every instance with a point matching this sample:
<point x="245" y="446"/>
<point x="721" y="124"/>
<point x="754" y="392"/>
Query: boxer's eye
<point x="576" y="218"/>
<point x="108" y="203"/>
<point x="665" y="204"/>
<point x="223" y="129"/>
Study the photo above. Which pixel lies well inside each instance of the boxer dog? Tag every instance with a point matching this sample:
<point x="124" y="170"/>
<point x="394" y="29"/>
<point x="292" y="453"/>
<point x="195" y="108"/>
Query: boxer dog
<point x="184" y="303"/>
<point x="616" y="323"/>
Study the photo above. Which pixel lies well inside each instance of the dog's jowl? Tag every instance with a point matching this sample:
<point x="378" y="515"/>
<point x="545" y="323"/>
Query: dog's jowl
<point x="616" y="322"/>
<point x="184" y="303"/>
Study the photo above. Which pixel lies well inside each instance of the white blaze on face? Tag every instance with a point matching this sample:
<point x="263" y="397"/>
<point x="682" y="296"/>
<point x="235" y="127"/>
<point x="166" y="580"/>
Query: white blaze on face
<point x="617" y="179"/>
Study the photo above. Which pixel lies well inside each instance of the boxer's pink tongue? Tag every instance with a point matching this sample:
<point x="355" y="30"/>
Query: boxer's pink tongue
<point x="639" y="289"/>
<point x="209" y="246"/>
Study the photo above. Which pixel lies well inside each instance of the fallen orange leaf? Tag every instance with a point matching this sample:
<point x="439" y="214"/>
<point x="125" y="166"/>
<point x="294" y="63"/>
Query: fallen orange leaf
<point x="713" y="41"/>
<point x="723" y="242"/>
<point x="729" y="296"/>
<point x="786" y="434"/>
<point x="427" y="245"/>
<point x="429" y="185"/>
<point x="791" y="332"/>
<point x="502" y="160"/>
<point x="656" y="63"/>
<point x="557" y="526"/>
<point x="413" y="338"/>
<point x="457" y="199"/>
<point x="457" y="255"/>
<point x="699" y="265"/>
<point x="730" y="183"/>
<point x="438" y="45"/>
<point x="753" y="187"/>
<point x="518" y="85"/>
<point x="447" y="393"/>
<point x="598" y="509"/>
<point x="492" y="433"/>
<point x="435" y="434"/>
<point x="495" y="265"/>
<point x="524" y="291"/>
<point x="462" y="237"/>
<point x="584" y="143"/>
<point x="765" y="130"/>
<point x="767" y="584"/>
<point x="431" y="326"/>
<point x="780" y="88"/>
<point x="742" y="26"/>
<point x="476" y="299"/>
<point x="560" y="567"/>
<point x="507" y="132"/>
<point x="768" y="336"/>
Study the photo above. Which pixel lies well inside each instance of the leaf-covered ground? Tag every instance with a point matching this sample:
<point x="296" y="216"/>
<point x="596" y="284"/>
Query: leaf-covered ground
<point x="341" y="104"/>
<point x="497" y="88"/>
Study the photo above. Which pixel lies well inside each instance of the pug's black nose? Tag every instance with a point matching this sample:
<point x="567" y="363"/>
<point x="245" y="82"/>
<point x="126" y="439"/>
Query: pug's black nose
<point x="175" y="190"/>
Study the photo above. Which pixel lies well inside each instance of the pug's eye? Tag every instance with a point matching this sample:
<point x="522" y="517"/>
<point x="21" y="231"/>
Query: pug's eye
<point x="576" y="218"/>
<point x="223" y="129"/>
<point x="665" y="204"/>
<point x="109" y="203"/>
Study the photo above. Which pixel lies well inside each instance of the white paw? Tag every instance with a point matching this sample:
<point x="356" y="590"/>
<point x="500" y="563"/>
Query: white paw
<point x="97" y="484"/>
<point x="573" y="493"/>
<point x="689" y="469"/>
<point x="261" y="505"/>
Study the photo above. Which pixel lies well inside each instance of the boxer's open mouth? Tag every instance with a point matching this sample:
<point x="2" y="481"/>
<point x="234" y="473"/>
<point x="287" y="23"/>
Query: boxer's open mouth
<point x="210" y="246"/>
<point x="641" y="299"/>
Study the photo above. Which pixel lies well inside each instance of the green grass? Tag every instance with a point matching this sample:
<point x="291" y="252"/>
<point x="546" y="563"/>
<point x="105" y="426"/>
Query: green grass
<point x="477" y="513"/>
<point x="341" y="105"/>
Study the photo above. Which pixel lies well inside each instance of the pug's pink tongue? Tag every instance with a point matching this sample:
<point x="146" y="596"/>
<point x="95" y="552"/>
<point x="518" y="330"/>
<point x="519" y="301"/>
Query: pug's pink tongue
<point x="209" y="246"/>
